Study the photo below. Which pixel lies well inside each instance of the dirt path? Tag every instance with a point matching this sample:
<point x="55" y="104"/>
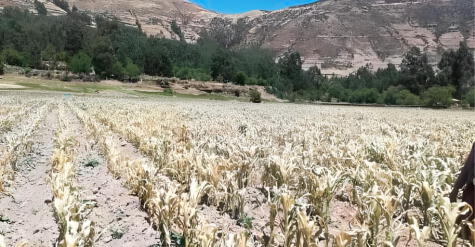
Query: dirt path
<point x="27" y="215"/>
<point x="117" y="217"/>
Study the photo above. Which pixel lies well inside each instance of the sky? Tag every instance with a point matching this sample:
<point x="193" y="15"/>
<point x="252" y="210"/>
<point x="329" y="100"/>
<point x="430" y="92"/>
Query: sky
<point x="241" y="6"/>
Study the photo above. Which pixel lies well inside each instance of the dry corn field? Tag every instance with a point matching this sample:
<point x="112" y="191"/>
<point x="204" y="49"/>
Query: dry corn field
<point x="104" y="171"/>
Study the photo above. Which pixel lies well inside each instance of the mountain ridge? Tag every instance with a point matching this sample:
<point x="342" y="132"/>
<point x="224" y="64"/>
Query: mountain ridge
<point x="339" y="36"/>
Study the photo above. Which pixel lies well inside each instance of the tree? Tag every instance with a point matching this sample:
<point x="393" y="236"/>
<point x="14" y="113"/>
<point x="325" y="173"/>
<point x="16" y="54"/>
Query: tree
<point x="117" y="70"/>
<point x="405" y="97"/>
<point x="40" y="8"/>
<point x="387" y="77"/>
<point x="103" y="58"/>
<point x="438" y="96"/>
<point x="291" y="73"/>
<point x="157" y="62"/>
<point x="2" y="66"/>
<point x="315" y="75"/>
<point x="290" y="65"/>
<point x="469" y="97"/>
<point x="240" y="78"/>
<point x="418" y="73"/>
<point x="177" y="30"/>
<point x="222" y="66"/>
<point x="457" y="68"/>
<point x="80" y="63"/>
<point x="13" y="57"/>
<point x="131" y="71"/>
<point x="365" y="95"/>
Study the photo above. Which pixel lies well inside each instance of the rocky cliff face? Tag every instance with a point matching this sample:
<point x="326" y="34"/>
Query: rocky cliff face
<point x="339" y="36"/>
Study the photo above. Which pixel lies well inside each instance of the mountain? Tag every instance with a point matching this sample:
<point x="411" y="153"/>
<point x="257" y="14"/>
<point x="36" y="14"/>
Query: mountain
<point x="339" y="36"/>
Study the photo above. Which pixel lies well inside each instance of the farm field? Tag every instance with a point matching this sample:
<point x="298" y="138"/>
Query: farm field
<point x="164" y="171"/>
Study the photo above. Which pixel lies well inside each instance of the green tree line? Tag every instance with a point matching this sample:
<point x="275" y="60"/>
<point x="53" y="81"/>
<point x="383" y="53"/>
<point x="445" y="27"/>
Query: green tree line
<point x="114" y="50"/>
<point x="415" y="83"/>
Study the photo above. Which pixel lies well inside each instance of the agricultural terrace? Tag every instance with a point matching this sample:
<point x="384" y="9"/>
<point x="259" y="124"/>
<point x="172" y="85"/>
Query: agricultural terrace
<point x="109" y="171"/>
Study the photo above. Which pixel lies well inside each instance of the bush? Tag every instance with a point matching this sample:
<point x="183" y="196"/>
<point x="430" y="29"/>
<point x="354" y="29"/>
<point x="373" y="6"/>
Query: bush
<point x="365" y="95"/>
<point x="2" y="66"/>
<point x="390" y="96"/>
<point x="117" y="70"/>
<point x="240" y="78"/>
<point x="255" y="96"/>
<point x="438" y="96"/>
<point x="131" y="71"/>
<point x="186" y="73"/>
<point x="80" y="63"/>
<point x="469" y="97"/>
<point x="405" y="97"/>
<point x="337" y="91"/>
<point x="13" y="57"/>
<point x="168" y="92"/>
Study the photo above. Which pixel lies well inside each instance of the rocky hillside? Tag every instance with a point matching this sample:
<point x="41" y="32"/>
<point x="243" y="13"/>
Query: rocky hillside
<point x="337" y="35"/>
<point x="342" y="35"/>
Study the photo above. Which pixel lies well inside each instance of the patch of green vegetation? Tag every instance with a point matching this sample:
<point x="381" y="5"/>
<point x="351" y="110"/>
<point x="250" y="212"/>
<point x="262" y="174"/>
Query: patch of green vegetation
<point x="92" y="163"/>
<point x="37" y="86"/>
<point x="59" y="86"/>
<point x="246" y="221"/>
<point x="177" y="239"/>
<point x="117" y="233"/>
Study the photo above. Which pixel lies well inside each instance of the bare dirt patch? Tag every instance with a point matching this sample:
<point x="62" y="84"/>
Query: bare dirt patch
<point x="27" y="214"/>
<point x="10" y="86"/>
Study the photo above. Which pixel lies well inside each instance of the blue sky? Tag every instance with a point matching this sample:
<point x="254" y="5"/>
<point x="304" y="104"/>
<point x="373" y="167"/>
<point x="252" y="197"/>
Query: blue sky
<point x="240" y="6"/>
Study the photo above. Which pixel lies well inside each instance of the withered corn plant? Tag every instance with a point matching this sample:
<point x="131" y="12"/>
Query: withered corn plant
<point x="447" y="214"/>
<point x="388" y="165"/>
<point x="17" y="143"/>
<point x="421" y="235"/>
<point x="322" y="186"/>
<point x="71" y="213"/>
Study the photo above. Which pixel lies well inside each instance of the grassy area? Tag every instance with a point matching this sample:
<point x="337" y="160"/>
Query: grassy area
<point x="39" y="84"/>
<point x="209" y="96"/>
<point x="54" y="85"/>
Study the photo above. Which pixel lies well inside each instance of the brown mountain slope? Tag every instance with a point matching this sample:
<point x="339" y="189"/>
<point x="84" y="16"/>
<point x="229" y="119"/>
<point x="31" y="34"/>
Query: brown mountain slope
<point x="342" y="35"/>
<point x="155" y="16"/>
<point x="337" y="35"/>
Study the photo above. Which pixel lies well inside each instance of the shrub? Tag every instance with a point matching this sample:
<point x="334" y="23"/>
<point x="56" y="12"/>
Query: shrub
<point x="80" y="63"/>
<point x="13" y="57"/>
<point x="337" y="91"/>
<point x="469" y="97"/>
<point x="438" y="96"/>
<point x="27" y="71"/>
<point x="240" y="78"/>
<point x="117" y="70"/>
<point x="365" y="95"/>
<point x="255" y="96"/>
<point x="168" y="92"/>
<point x="405" y="97"/>
<point x="132" y="71"/>
<point x="2" y="66"/>
<point x="390" y="96"/>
